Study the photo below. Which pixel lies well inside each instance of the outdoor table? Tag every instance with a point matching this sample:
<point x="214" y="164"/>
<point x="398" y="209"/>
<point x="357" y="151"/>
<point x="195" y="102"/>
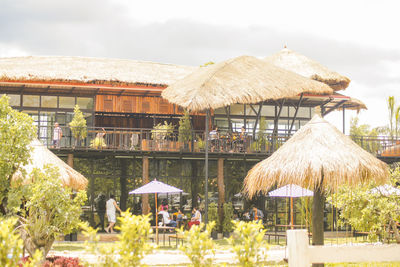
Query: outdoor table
<point x="164" y="230"/>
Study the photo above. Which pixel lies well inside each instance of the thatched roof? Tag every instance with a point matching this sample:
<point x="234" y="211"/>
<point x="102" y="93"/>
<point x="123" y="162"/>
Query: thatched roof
<point x="42" y="156"/>
<point x="90" y="70"/>
<point x="293" y="61"/>
<point x="355" y="104"/>
<point x="316" y="148"/>
<point x="243" y="80"/>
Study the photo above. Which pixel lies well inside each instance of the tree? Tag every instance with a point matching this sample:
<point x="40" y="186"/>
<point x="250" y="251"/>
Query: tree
<point x="78" y="125"/>
<point x="391" y="108"/>
<point x="367" y="211"/>
<point x="50" y="210"/>
<point x="185" y="129"/>
<point x="364" y="136"/>
<point x="16" y="133"/>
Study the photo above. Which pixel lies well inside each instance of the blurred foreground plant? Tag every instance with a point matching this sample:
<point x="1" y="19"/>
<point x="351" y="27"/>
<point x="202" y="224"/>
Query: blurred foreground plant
<point x="132" y="246"/>
<point x="248" y="243"/>
<point x="198" y="246"/>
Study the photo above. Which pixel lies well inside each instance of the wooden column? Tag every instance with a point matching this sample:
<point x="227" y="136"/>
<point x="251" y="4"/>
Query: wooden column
<point x="318" y="218"/>
<point x="221" y="188"/>
<point x="91" y="186"/>
<point x="194" y="184"/>
<point x="122" y="181"/>
<point x="145" y="180"/>
<point x="70" y="160"/>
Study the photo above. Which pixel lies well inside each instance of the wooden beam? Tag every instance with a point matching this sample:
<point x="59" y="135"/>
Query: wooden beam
<point x="295" y="113"/>
<point x="145" y="177"/>
<point x="338" y="105"/>
<point x="257" y="118"/>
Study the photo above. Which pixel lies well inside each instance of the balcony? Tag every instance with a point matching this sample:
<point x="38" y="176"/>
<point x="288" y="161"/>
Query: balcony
<point x="150" y="140"/>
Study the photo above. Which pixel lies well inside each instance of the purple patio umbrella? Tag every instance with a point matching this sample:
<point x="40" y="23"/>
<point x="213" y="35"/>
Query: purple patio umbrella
<point x="386" y="190"/>
<point x="155" y="187"/>
<point x="292" y="191"/>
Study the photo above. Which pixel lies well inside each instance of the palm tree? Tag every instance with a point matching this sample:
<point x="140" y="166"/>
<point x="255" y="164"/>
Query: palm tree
<point x="391" y="109"/>
<point x="397" y="116"/>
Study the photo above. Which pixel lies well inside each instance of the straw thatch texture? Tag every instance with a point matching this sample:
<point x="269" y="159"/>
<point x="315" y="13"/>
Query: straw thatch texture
<point x="242" y="79"/>
<point x="355" y="104"/>
<point x="290" y="60"/>
<point x="90" y="70"/>
<point x="317" y="148"/>
<point x="42" y="156"/>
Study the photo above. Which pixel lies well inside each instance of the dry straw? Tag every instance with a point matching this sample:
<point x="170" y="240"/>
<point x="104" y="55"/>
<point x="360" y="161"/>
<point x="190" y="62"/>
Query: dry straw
<point x="42" y="156"/>
<point x="317" y="152"/>
<point x="290" y="60"/>
<point x="243" y="79"/>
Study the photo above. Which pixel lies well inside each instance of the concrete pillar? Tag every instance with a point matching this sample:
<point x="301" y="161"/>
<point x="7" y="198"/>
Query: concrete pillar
<point x="297" y="244"/>
<point x="70" y="160"/>
<point x="145" y="180"/>
<point x="221" y="188"/>
<point x="318" y="218"/>
<point x="122" y="181"/>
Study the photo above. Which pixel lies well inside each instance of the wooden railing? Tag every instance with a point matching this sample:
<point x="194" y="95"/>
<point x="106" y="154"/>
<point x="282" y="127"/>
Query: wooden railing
<point x="144" y="139"/>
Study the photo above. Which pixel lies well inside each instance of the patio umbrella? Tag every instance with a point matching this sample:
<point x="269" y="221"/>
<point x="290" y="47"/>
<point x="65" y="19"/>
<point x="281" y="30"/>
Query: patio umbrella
<point x="291" y="191"/>
<point x="155" y="187"/>
<point x="386" y="190"/>
<point x="317" y="156"/>
<point x="41" y="156"/>
<point x="243" y="80"/>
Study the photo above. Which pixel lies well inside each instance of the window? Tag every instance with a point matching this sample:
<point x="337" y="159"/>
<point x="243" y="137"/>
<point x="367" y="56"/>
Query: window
<point x="67" y="102"/>
<point x="31" y="100"/>
<point x="15" y="100"/>
<point x="85" y="102"/>
<point x="49" y="101"/>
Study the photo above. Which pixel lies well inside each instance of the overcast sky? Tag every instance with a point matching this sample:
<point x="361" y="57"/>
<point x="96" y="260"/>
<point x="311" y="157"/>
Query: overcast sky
<point x="359" y="39"/>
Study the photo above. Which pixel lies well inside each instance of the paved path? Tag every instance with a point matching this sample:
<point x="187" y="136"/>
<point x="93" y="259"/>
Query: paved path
<point x="174" y="257"/>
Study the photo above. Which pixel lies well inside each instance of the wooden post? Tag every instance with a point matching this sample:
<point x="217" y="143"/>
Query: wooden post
<point x="194" y="183"/>
<point x="91" y="185"/>
<point x="297" y="242"/>
<point x="122" y="181"/>
<point x="70" y="160"/>
<point x="221" y="188"/>
<point x="145" y="180"/>
<point x="318" y="218"/>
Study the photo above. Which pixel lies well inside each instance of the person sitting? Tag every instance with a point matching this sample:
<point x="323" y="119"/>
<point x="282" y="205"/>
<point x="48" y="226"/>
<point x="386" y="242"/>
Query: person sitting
<point x="256" y="214"/>
<point x="196" y="218"/>
<point x="167" y="220"/>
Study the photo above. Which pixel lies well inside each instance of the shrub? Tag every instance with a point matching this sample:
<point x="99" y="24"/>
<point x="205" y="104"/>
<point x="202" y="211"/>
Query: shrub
<point x="78" y="125"/>
<point x="185" y="129"/>
<point x="11" y="244"/>
<point x="213" y="215"/>
<point x="227" y="224"/>
<point x="248" y="243"/>
<point x="199" y="247"/>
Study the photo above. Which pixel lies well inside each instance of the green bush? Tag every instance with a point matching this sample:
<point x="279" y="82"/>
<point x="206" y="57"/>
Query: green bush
<point x="185" y="128"/>
<point x="213" y="214"/>
<point x="199" y="247"/>
<point x="227" y="225"/>
<point x="162" y="131"/>
<point x="248" y="243"/>
<point x="78" y="125"/>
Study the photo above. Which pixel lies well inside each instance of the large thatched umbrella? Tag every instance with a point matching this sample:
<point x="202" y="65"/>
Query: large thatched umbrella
<point x="293" y="61"/>
<point x="318" y="157"/>
<point x="41" y="156"/>
<point x="243" y="80"/>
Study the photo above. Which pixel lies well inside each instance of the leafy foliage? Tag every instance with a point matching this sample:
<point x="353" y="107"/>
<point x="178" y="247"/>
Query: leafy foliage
<point x="213" y="214"/>
<point x="366" y="211"/>
<point x="50" y="210"/>
<point x="261" y="143"/>
<point x="16" y="133"/>
<point x="227" y="225"/>
<point x="361" y="134"/>
<point x="11" y="244"/>
<point x="98" y="143"/>
<point x="131" y="247"/>
<point x="199" y="247"/>
<point x="78" y="124"/>
<point x="248" y="243"/>
<point x="162" y="131"/>
<point x="185" y="128"/>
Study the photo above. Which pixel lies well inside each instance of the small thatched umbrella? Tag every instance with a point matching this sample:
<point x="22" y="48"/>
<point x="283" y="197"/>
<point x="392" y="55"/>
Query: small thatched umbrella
<point x="293" y="61"/>
<point x="243" y="80"/>
<point x="42" y="156"/>
<point x="319" y="157"/>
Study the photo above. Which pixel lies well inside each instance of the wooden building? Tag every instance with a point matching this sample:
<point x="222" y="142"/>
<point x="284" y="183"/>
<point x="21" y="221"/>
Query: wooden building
<point x="124" y="98"/>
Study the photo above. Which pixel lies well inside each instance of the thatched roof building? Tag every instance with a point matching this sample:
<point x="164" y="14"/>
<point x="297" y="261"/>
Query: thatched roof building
<point x="293" y="61"/>
<point x="243" y="79"/>
<point x="90" y="70"/>
<point x="317" y="153"/>
<point x="42" y="156"/>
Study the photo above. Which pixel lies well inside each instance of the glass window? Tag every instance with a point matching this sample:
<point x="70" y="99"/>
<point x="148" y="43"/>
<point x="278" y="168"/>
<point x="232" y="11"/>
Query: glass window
<point x="85" y="102"/>
<point x="268" y="111"/>
<point x="15" y="100"/>
<point x="49" y="101"/>
<point x="304" y="112"/>
<point x="67" y="102"/>
<point x="237" y="109"/>
<point x="31" y="100"/>
<point x="89" y="118"/>
<point x="219" y="111"/>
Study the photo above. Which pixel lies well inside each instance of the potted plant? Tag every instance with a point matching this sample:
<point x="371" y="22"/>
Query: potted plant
<point x="78" y="126"/>
<point x="262" y="143"/>
<point x="161" y="132"/>
<point x="213" y="216"/>
<point x="200" y="144"/>
<point x="227" y="225"/>
<point x="185" y="131"/>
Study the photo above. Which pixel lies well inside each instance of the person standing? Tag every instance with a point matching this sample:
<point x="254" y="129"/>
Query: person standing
<point x="256" y="214"/>
<point x="111" y="207"/>
<point x="101" y="209"/>
<point x="57" y="135"/>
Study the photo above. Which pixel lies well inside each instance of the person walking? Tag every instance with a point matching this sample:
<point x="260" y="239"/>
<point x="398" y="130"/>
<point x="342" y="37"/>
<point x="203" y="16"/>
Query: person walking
<point x="57" y="135"/>
<point x="111" y="207"/>
<point x="101" y="210"/>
